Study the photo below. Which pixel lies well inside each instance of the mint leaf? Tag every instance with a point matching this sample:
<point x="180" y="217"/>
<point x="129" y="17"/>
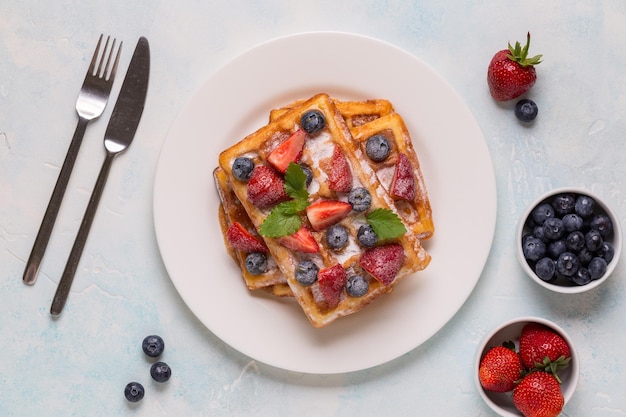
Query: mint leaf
<point x="295" y="182"/>
<point x="386" y="224"/>
<point x="283" y="220"/>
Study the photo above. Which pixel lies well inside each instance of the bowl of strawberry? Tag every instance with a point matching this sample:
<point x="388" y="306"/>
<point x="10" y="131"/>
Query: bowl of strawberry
<point x="526" y="367"/>
<point x="569" y="240"/>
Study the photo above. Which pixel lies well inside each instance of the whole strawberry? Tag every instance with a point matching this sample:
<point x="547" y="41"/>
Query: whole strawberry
<point x="499" y="369"/>
<point x="542" y="348"/>
<point x="511" y="73"/>
<point x="538" y="395"/>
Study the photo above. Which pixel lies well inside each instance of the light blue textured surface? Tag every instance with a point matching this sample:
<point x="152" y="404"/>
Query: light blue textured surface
<point x="78" y="364"/>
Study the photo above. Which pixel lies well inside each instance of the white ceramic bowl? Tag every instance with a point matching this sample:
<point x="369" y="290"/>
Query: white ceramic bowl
<point x="502" y="403"/>
<point x="562" y="285"/>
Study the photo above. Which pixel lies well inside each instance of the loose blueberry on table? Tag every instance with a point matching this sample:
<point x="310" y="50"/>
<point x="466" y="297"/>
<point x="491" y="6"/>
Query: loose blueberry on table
<point x="526" y="110"/>
<point x="134" y="392"/>
<point x="153" y="345"/>
<point x="160" y="372"/>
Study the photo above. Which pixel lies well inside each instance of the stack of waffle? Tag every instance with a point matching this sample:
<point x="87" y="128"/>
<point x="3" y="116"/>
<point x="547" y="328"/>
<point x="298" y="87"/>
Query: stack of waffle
<point x="326" y="140"/>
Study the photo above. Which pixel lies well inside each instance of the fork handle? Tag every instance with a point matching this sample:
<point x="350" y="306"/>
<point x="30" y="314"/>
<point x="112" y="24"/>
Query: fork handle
<point x="63" y="289"/>
<point x="49" y="218"/>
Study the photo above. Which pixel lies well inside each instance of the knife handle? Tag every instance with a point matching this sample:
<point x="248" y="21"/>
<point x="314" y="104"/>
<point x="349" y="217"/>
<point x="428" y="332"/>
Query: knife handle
<point x="49" y="218"/>
<point x="63" y="289"/>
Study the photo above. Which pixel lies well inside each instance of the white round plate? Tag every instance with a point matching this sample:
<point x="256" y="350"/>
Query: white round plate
<point x="234" y="102"/>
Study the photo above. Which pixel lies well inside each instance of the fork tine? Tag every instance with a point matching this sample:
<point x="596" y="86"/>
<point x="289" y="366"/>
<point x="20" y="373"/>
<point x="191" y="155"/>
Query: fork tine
<point x="108" y="75"/>
<point x="100" y="73"/>
<point x="94" y="59"/>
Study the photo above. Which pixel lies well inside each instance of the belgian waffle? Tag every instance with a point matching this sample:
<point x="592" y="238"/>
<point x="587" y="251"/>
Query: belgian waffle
<point x="231" y="211"/>
<point x="372" y="117"/>
<point x="318" y="151"/>
<point x="414" y="209"/>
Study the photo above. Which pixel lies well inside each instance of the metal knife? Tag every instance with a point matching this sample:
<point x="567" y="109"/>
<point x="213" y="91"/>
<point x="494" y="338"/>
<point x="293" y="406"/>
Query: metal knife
<point x="118" y="137"/>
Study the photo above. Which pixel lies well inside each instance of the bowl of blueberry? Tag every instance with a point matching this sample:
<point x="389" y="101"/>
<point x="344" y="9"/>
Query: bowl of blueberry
<point x="569" y="240"/>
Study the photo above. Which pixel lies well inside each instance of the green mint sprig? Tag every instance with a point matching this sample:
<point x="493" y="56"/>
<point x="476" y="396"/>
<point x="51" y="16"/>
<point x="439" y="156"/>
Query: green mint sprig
<point x="386" y="224"/>
<point x="284" y="219"/>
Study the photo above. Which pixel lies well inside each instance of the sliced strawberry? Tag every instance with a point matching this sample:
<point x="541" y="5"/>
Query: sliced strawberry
<point x="265" y="187"/>
<point x="324" y="213"/>
<point x="403" y="183"/>
<point x="331" y="283"/>
<point x="383" y="262"/>
<point x="242" y="240"/>
<point x="301" y="241"/>
<point x="288" y="151"/>
<point x="340" y="176"/>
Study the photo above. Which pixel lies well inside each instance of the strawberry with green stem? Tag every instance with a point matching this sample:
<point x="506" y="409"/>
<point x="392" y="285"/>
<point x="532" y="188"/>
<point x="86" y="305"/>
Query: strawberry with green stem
<point x="511" y="72"/>
<point x="541" y="348"/>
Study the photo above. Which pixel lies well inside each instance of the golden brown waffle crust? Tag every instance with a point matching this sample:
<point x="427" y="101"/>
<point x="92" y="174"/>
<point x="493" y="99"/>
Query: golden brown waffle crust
<point x="258" y="144"/>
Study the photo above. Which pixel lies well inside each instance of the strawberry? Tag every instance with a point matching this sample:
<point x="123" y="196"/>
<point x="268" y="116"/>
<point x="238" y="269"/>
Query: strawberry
<point x="383" y="262"/>
<point x="542" y="348"/>
<point x="331" y="282"/>
<point x="288" y="151"/>
<point x="242" y="240"/>
<point x="265" y="187"/>
<point x="500" y="368"/>
<point x="324" y="213"/>
<point x="403" y="182"/>
<point x="340" y="176"/>
<point x="511" y="73"/>
<point x="538" y="395"/>
<point x="301" y="241"/>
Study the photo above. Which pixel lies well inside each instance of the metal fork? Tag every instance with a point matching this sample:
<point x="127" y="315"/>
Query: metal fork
<point x="90" y="104"/>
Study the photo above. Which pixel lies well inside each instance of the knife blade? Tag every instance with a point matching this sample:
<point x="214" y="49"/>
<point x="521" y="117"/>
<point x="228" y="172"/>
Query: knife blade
<point x="117" y="138"/>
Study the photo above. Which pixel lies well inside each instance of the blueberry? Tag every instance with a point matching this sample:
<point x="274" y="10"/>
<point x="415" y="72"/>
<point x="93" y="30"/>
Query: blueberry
<point x="526" y="110"/>
<point x="567" y="264"/>
<point x="584" y="206"/>
<point x="357" y="286"/>
<point x="597" y="267"/>
<point x="153" y="345"/>
<point x="242" y="168"/>
<point x="377" y="148"/>
<point x="134" y="392"/>
<point x="360" y="199"/>
<point x="553" y="228"/>
<point x="585" y="256"/>
<point x="545" y="269"/>
<point x="606" y="251"/>
<point x="309" y="174"/>
<point x="256" y="263"/>
<point x="337" y="236"/>
<point x="575" y="241"/>
<point x="367" y="236"/>
<point x="306" y="272"/>
<point x="593" y="240"/>
<point x="563" y="203"/>
<point x="541" y="213"/>
<point x="312" y="121"/>
<point x="160" y="371"/>
<point x="572" y="222"/>
<point x="602" y="223"/>
<point x="581" y="277"/>
<point x="556" y="248"/>
<point x="534" y="249"/>
<point x="540" y="234"/>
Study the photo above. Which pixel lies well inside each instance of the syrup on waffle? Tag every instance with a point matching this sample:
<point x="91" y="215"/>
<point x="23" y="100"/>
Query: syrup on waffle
<point x="382" y="267"/>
